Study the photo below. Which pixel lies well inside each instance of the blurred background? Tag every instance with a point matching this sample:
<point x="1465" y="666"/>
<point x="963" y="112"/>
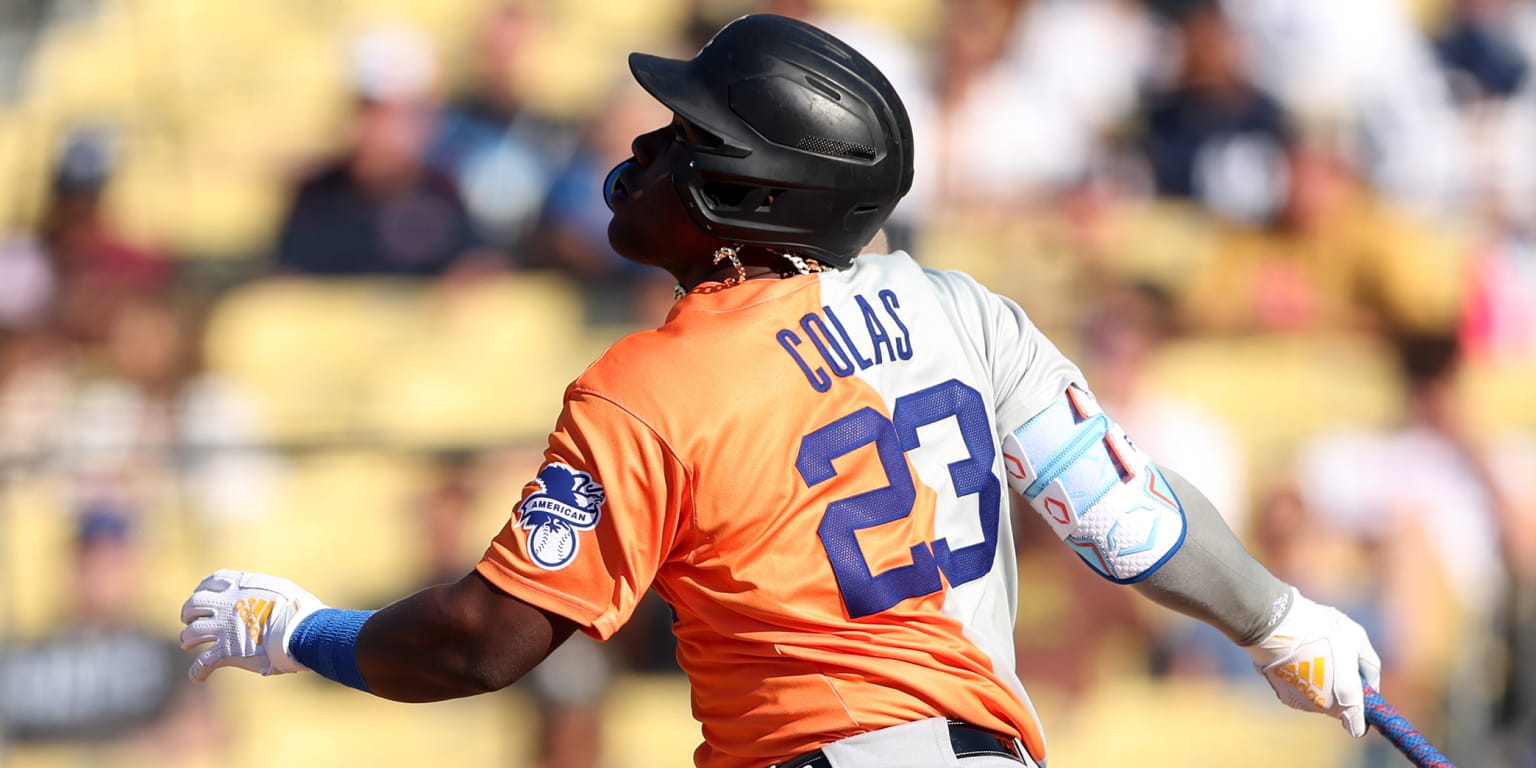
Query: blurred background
<point x="295" y="285"/>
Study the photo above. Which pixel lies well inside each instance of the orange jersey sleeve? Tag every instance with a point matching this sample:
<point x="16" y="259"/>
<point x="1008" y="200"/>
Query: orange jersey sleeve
<point x="595" y="526"/>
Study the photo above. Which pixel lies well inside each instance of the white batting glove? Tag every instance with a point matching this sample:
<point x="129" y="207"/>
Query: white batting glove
<point x="249" y="619"/>
<point x="1317" y="660"/>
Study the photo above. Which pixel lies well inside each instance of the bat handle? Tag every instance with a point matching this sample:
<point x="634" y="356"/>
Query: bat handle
<point x="1401" y="733"/>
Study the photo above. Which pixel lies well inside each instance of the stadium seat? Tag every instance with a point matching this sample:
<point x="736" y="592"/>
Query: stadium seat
<point x="648" y="722"/>
<point x="1130" y="721"/>
<point x="1274" y="391"/>
<point x="309" y="349"/>
<point x="342" y="525"/>
<point x="34" y="535"/>
<point x="315" y="722"/>
<point x="430" y="367"/>
<point x="22" y="165"/>
<point x="1501" y="396"/>
<point x="913" y="19"/>
<point x="487" y="365"/>
<point x="93" y="67"/>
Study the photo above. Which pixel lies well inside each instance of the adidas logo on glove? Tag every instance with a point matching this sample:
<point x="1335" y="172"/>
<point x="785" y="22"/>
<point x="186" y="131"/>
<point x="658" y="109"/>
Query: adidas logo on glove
<point x="1309" y="678"/>
<point x="255" y="613"/>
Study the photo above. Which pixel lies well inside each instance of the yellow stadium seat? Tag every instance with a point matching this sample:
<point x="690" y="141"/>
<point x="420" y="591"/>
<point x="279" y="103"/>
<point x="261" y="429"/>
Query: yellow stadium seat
<point x="914" y="19"/>
<point x="479" y="363"/>
<point x="488" y="366"/>
<point x="1160" y="242"/>
<point x="90" y="68"/>
<point x="309" y="349"/>
<point x="441" y="20"/>
<point x="1275" y="391"/>
<point x="623" y="23"/>
<point x="649" y="722"/>
<point x="1192" y="723"/>
<point x="1022" y="257"/>
<point x="316" y="722"/>
<point x="238" y="116"/>
<point x="196" y="204"/>
<point x="24" y="158"/>
<point x="343" y="526"/>
<point x="35" y="531"/>
<point x="1500" y="396"/>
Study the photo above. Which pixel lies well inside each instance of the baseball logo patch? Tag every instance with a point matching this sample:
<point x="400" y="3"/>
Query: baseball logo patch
<point x="567" y="501"/>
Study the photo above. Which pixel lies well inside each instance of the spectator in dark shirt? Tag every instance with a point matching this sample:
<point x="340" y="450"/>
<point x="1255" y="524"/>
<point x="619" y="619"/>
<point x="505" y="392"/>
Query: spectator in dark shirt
<point x="1476" y="49"/>
<point x="379" y="209"/>
<point x="101" y="678"/>
<point x="1212" y="136"/>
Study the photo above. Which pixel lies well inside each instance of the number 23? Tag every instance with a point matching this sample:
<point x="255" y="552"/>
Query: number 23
<point x="864" y="592"/>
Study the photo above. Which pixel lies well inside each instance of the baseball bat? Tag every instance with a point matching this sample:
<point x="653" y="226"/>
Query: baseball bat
<point x="1401" y="733"/>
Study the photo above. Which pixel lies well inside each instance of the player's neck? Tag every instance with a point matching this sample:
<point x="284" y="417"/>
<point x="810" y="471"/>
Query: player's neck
<point x="730" y="266"/>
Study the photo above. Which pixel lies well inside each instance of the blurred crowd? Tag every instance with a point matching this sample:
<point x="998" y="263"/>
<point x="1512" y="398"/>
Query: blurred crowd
<point x="263" y="265"/>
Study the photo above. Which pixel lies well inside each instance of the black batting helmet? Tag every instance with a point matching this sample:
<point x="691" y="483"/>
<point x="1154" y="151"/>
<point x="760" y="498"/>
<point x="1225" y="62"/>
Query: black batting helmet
<point x="814" y="149"/>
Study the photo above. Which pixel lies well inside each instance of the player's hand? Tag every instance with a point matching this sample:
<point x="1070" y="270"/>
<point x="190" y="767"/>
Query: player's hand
<point x="1318" y="660"/>
<point x="249" y="619"/>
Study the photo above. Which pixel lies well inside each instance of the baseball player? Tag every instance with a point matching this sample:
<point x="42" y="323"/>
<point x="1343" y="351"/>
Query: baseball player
<point x="810" y="460"/>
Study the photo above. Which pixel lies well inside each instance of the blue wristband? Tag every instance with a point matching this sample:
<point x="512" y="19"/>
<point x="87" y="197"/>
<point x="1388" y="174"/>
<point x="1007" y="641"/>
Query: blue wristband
<point x="326" y="642"/>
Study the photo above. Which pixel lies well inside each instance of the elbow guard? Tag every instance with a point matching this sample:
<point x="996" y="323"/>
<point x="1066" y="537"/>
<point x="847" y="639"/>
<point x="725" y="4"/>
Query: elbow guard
<point x="1099" y="493"/>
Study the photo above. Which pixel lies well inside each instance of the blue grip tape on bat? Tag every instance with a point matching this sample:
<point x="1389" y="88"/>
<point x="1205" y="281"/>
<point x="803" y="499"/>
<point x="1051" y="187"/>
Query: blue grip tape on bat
<point x="1401" y="733"/>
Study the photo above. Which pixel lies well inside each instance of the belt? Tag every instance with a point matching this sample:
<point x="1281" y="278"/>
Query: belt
<point x="968" y="740"/>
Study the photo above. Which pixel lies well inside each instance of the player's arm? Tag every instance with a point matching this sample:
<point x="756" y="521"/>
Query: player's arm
<point x="1212" y="577"/>
<point x="444" y="642"/>
<point x="455" y="640"/>
<point x="561" y="561"/>
<point x="1137" y="523"/>
<point x="1314" y="656"/>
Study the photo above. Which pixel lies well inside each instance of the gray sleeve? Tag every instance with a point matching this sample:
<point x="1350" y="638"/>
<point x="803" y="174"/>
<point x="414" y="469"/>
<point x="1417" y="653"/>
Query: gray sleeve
<point x="1212" y="578"/>
<point x="1028" y="372"/>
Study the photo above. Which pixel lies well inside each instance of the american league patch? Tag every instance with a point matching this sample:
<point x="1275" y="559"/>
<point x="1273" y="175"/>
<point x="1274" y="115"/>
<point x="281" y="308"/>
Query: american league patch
<point x="568" y="501"/>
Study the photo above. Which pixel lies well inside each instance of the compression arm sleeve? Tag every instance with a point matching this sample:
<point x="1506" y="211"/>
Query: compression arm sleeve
<point x="1212" y="578"/>
<point x="1137" y="523"/>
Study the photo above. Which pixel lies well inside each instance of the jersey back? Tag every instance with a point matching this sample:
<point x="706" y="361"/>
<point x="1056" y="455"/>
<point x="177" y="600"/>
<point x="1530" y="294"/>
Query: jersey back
<point x="808" y="471"/>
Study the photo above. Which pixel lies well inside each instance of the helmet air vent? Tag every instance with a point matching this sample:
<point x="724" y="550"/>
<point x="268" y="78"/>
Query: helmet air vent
<point x="825" y="86"/>
<point x="822" y="145"/>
